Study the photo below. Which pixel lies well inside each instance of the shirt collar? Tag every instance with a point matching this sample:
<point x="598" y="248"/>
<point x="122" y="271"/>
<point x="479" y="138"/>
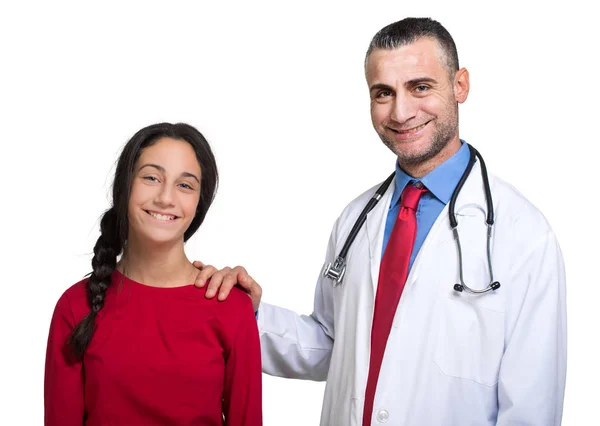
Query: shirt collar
<point x="441" y="181"/>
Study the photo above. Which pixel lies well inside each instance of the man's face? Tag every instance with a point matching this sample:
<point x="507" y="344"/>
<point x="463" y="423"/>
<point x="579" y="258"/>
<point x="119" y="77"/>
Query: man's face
<point x="414" y="100"/>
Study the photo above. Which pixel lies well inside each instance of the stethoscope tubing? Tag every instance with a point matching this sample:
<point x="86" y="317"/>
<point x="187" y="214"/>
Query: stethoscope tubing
<point x="337" y="270"/>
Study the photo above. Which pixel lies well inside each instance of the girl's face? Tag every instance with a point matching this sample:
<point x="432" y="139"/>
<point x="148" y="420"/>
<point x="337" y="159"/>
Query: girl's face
<point x="165" y="192"/>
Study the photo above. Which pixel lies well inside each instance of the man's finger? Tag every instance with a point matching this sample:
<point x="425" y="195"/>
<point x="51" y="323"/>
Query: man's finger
<point x="215" y="282"/>
<point x="253" y="289"/>
<point x="245" y="281"/>
<point x="242" y="277"/>
<point x="229" y="281"/>
<point x="198" y="264"/>
<point x="204" y="274"/>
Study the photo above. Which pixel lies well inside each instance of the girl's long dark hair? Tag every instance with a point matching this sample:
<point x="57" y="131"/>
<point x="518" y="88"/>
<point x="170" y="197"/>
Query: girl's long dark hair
<point x="114" y="223"/>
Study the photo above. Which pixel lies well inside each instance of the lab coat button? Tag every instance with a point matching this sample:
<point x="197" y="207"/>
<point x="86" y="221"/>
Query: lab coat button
<point x="382" y="416"/>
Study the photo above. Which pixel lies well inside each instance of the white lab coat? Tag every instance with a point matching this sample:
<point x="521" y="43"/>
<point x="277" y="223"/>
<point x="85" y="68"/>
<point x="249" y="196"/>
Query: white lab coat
<point x="451" y="358"/>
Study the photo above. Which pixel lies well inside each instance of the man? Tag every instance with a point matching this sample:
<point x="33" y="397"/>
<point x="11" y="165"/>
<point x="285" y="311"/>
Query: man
<point x="396" y="342"/>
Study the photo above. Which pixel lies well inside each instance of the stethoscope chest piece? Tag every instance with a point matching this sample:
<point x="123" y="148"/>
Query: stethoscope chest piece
<point x="335" y="272"/>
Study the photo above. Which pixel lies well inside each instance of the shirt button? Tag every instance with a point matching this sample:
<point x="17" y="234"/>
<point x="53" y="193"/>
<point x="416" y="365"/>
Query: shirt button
<point x="419" y="185"/>
<point x="382" y="416"/>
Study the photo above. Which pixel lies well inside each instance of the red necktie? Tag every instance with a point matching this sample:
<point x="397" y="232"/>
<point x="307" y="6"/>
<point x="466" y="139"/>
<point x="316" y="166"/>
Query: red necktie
<point x="392" y="277"/>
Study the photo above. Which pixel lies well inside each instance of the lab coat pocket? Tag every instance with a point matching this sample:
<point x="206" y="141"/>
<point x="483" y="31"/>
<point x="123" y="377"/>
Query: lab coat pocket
<point x="470" y="340"/>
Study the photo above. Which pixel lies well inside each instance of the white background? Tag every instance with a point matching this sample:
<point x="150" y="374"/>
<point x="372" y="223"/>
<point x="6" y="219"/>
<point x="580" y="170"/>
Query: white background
<point x="279" y="91"/>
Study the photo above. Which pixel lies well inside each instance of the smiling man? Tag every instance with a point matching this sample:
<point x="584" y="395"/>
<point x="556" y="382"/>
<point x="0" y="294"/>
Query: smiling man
<point x="397" y="340"/>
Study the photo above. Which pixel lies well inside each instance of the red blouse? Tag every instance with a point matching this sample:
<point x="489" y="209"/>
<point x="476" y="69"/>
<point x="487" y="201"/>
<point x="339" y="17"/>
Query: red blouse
<point x="159" y="356"/>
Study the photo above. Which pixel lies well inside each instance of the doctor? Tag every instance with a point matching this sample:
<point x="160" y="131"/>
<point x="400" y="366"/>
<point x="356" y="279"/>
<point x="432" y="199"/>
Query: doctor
<point x="396" y="342"/>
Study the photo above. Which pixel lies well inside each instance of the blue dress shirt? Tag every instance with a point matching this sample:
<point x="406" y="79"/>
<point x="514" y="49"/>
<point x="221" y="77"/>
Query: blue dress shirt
<point x="440" y="182"/>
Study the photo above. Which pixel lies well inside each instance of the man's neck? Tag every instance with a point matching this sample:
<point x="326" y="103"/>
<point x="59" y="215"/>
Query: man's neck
<point x="422" y="169"/>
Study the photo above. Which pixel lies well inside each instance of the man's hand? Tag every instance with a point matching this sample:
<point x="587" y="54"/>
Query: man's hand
<point x="222" y="281"/>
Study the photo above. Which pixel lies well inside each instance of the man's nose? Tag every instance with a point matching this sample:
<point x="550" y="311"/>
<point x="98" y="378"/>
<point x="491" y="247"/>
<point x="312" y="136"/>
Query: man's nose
<point x="403" y="109"/>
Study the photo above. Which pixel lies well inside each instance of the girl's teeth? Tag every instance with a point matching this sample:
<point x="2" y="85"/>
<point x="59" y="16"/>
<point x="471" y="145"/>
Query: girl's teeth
<point x="162" y="217"/>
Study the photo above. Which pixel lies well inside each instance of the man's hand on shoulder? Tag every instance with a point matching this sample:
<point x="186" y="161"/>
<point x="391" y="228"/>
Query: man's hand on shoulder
<point x="223" y="280"/>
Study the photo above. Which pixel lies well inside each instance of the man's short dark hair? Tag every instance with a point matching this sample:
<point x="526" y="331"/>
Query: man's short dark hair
<point x="408" y="31"/>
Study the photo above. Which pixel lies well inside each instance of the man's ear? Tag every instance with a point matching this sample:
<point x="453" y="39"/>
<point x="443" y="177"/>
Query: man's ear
<point x="461" y="85"/>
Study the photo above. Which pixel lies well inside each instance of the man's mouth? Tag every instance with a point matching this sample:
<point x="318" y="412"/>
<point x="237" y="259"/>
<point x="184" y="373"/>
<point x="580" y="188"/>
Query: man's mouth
<point x="411" y="130"/>
<point x="163" y="217"/>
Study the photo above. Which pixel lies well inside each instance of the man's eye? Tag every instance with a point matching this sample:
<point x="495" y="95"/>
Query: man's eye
<point x="384" y="93"/>
<point x="421" y="88"/>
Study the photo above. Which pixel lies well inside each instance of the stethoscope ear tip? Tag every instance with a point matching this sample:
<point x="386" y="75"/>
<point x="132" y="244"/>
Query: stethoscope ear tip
<point x="458" y="287"/>
<point x="495" y="285"/>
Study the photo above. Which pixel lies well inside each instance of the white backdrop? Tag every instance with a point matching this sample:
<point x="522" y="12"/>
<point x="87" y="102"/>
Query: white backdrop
<point x="278" y="89"/>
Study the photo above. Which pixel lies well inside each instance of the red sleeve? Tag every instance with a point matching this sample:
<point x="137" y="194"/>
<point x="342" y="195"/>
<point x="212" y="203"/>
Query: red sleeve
<point x="63" y="383"/>
<point x="243" y="372"/>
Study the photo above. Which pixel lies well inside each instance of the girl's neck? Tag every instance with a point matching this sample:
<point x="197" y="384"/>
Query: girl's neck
<point x="157" y="266"/>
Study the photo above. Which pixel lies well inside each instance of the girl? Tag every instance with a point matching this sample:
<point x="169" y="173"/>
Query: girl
<point x="136" y="343"/>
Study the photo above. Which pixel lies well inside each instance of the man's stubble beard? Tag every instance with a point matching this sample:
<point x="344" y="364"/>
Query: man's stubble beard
<point x="444" y="133"/>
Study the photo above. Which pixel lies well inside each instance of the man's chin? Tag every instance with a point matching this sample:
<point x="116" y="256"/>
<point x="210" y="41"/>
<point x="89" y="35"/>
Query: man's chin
<point x="410" y="152"/>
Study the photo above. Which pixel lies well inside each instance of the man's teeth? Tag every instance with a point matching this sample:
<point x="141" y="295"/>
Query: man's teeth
<point x="161" y="216"/>
<point x="414" y="129"/>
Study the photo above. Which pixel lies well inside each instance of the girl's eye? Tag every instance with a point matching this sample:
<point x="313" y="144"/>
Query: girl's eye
<point x="186" y="186"/>
<point x="151" y="178"/>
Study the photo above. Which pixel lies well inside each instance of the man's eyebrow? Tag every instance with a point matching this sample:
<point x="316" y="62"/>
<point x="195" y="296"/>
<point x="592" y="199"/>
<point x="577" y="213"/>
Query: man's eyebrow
<point x="420" y="80"/>
<point x="409" y="83"/>
<point x="381" y="86"/>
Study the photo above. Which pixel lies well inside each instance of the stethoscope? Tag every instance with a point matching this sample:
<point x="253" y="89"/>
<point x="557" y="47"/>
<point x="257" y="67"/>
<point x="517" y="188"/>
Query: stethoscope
<point x="336" y="271"/>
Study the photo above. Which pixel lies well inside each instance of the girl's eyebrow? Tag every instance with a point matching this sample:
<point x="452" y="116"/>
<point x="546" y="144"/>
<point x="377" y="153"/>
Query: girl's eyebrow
<point x="162" y="169"/>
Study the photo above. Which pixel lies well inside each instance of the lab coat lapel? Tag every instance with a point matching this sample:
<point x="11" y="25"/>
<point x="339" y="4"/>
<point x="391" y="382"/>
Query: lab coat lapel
<point x="376" y="220"/>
